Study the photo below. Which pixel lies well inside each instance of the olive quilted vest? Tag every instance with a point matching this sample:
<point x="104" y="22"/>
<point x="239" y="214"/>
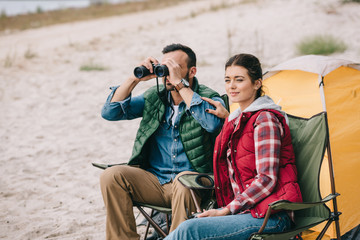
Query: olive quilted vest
<point x="198" y="143"/>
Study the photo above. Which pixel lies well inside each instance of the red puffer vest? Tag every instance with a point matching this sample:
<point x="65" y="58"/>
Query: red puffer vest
<point x="243" y="151"/>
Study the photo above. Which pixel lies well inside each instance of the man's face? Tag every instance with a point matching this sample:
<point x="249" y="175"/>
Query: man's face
<point x="180" y="58"/>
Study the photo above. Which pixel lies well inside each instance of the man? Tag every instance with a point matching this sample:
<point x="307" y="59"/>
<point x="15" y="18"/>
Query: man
<point x="175" y="136"/>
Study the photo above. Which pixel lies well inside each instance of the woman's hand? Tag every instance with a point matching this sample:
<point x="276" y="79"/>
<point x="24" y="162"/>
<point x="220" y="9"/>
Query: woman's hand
<point x="214" y="213"/>
<point x="220" y="110"/>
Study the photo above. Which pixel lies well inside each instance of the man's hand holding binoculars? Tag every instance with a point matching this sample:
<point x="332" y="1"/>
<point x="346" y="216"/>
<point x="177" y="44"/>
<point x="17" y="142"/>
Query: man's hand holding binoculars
<point x="151" y="68"/>
<point x="174" y="71"/>
<point x="146" y="70"/>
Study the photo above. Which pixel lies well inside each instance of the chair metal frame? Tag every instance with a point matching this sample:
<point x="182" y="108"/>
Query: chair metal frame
<point x="149" y="218"/>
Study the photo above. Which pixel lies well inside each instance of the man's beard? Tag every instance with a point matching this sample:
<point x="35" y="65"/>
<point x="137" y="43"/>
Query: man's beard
<point x="170" y="87"/>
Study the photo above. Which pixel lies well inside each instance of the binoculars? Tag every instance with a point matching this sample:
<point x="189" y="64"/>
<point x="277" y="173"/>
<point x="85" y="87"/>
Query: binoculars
<point x="159" y="70"/>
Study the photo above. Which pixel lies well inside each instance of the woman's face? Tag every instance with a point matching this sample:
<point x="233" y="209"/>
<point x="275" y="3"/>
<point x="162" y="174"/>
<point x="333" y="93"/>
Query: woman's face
<point x="239" y="87"/>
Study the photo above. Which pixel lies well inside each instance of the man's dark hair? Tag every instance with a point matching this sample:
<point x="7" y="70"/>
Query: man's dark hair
<point x="177" y="46"/>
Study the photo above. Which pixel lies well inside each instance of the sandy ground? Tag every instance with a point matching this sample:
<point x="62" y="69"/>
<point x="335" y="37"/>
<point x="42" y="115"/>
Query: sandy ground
<point x="50" y="124"/>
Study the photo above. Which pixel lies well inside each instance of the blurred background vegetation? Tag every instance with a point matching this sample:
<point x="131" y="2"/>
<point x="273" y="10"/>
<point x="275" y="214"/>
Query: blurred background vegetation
<point x="97" y="9"/>
<point x="321" y="45"/>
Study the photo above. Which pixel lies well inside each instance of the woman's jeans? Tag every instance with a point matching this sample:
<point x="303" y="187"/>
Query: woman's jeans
<point x="238" y="227"/>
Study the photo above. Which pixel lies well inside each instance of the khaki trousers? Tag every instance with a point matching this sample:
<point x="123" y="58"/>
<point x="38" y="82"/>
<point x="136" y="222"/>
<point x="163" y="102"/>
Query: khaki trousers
<point x="121" y="185"/>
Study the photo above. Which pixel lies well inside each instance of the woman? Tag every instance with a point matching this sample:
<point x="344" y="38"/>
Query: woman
<point x="254" y="161"/>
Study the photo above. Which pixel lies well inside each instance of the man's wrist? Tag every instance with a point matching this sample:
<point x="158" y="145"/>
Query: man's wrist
<point x="177" y="81"/>
<point x="133" y="79"/>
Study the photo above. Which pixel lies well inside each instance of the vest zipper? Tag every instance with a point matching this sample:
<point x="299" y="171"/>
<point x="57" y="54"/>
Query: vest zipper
<point x="234" y="151"/>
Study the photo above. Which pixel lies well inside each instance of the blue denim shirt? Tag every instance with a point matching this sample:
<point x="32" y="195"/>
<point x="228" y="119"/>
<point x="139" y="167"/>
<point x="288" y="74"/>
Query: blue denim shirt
<point x="167" y="157"/>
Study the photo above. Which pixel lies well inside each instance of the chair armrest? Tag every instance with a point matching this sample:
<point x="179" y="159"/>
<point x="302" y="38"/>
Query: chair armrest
<point x="105" y="166"/>
<point x="293" y="206"/>
<point x="197" y="181"/>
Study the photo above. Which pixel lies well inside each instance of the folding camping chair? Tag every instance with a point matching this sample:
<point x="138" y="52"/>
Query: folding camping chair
<point x="141" y="206"/>
<point x="191" y="181"/>
<point x="310" y="138"/>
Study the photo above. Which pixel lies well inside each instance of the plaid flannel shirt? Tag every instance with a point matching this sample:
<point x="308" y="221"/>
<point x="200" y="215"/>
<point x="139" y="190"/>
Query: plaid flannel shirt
<point x="267" y="137"/>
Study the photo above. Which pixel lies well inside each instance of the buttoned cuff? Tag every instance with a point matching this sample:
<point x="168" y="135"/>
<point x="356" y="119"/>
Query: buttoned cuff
<point x="196" y="100"/>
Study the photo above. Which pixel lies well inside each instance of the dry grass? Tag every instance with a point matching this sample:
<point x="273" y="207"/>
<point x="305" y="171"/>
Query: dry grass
<point x="29" y="54"/>
<point x="321" y="45"/>
<point x="40" y="19"/>
<point x="92" y="66"/>
<point x="9" y="60"/>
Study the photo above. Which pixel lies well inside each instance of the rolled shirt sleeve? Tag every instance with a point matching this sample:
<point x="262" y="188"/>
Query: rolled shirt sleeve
<point x="127" y="109"/>
<point x="197" y="108"/>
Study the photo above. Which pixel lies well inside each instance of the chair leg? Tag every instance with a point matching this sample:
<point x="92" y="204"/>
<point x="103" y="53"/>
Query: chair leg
<point x="198" y="208"/>
<point x="322" y="233"/>
<point x="152" y="222"/>
<point x="167" y="224"/>
<point x="148" y="225"/>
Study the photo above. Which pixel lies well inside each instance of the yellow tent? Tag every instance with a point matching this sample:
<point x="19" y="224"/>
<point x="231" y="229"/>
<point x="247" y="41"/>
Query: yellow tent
<point x="307" y="85"/>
